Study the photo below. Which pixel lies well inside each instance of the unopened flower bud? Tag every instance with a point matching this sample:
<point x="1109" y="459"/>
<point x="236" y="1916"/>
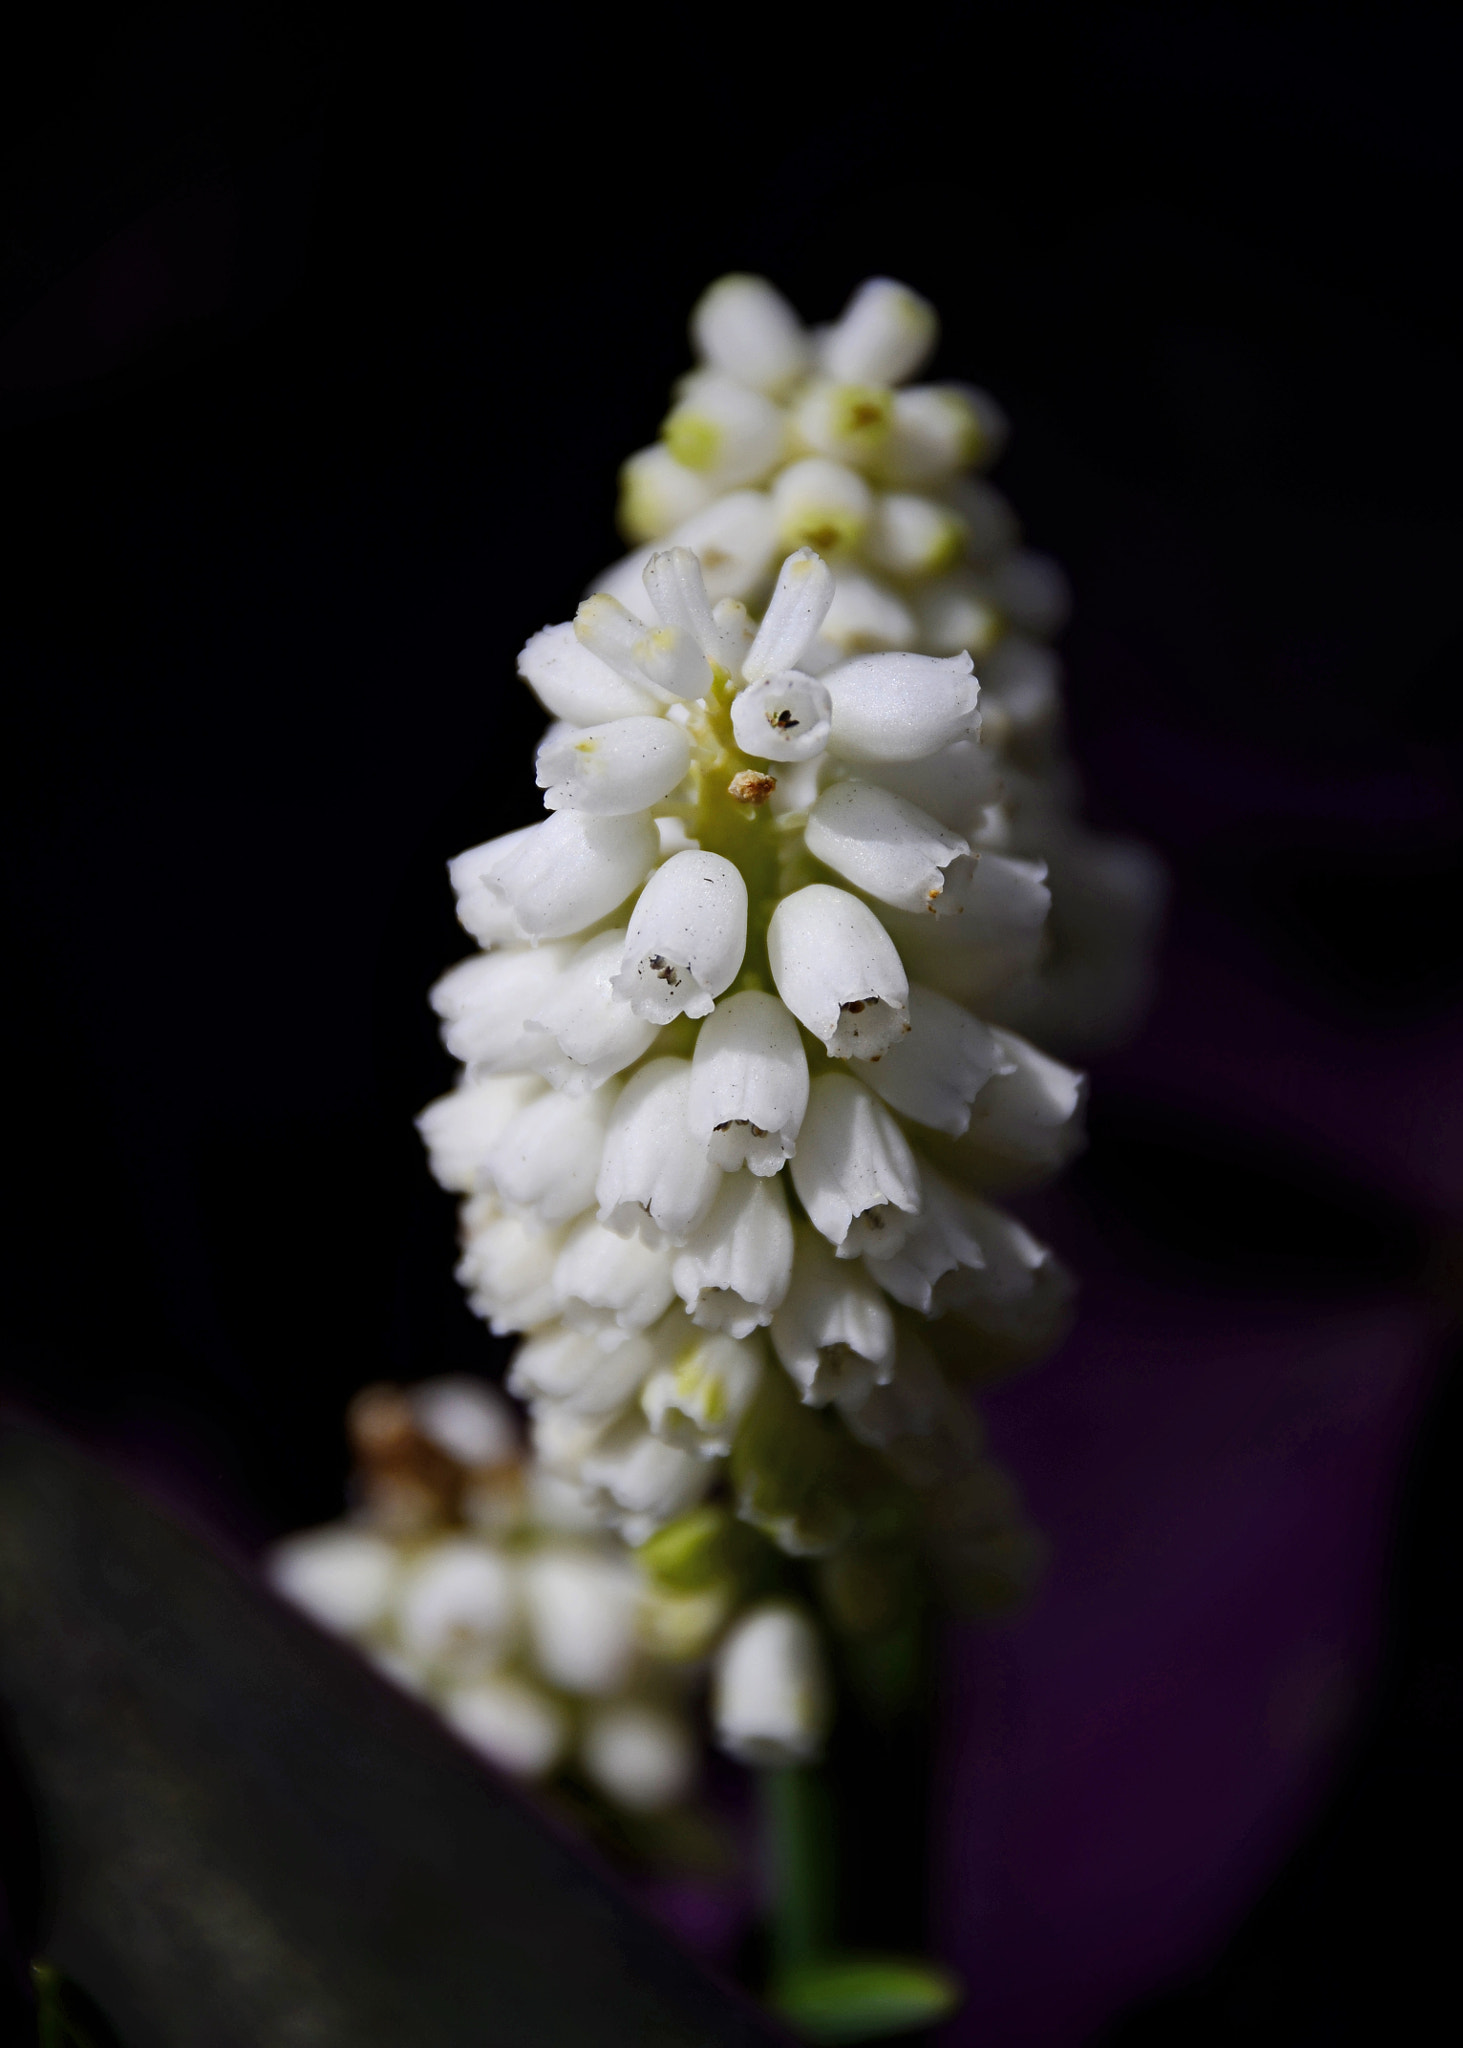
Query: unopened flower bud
<point x="882" y="336"/>
<point x="343" y="1578"/>
<point x="657" y="493"/>
<point x="724" y="431"/>
<point x="580" y="1606"/>
<point x="900" y="707"/>
<point x="797" y="608"/>
<point x="575" y="684"/>
<point x="511" y="1723"/>
<point x="914" y="536"/>
<point x="822" y="505"/>
<point x="640" y="1756"/>
<point x="741" y="325"/>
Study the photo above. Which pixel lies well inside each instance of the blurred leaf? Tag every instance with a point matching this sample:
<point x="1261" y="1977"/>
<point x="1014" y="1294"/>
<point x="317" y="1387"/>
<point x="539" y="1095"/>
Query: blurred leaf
<point x="864" y="1998"/>
<point x="254" y="1841"/>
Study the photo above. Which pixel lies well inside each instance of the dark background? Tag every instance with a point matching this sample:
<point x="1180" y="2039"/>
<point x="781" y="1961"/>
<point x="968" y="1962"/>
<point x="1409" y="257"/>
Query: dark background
<point x="320" y="342"/>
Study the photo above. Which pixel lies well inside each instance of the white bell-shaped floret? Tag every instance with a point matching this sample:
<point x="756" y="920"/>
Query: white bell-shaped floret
<point x="889" y="848"/>
<point x="641" y="1757"/>
<point x="481" y="907"/>
<point x="580" y="1606"/>
<point x="677" y="588"/>
<point x="467" y="1419"/>
<point x="882" y="336"/>
<point x="957" y="785"/>
<point x="459" y="1129"/>
<point x="511" y="1723"/>
<point x="911" y="535"/>
<point x="735" y="1269"/>
<point x="943" y="1241"/>
<point x="657" y="493"/>
<point x="939" y="1067"/>
<point x="834" y="1333"/>
<point x="507" y="1266"/>
<point x="611" y="1285"/>
<point x="937" y="430"/>
<point x="996" y="939"/>
<point x="458" y="1606"/>
<point x="697" y="1399"/>
<point x="687" y="935"/>
<point x="1029" y="1113"/>
<point x="580" y="1033"/>
<point x="637" y="1483"/>
<point x="900" y="707"/>
<point x="770" y="1696"/>
<point x="821" y="504"/>
<point x="743" y="326"/>
<point x="547" y="1156"/>
<point x="853" y="1170"/>
<point x="565" y="873"/>
<point x="1011" y="1260"/>
<point x="611" y="770"/>
<point x="343" y="1578"/>
<point x="786" y="717"/>
<point x="749" y="1084"/>
<point x="484" y="1001"/>
<point x="575" y="684"/>
<point x="865" y="615"/>
<point x="723" y="431"/>
<point x="927" y="1432"/>
<point x="797" y="608"/>
<point x="578" y="1374"/>
<point x="655" y="1178"/>
<point x="837" y="970"/>
<point x="850" y="422"/>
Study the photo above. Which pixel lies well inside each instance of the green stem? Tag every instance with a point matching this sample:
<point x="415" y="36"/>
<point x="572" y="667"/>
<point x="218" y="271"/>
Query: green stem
<point x="798" y="1848"/>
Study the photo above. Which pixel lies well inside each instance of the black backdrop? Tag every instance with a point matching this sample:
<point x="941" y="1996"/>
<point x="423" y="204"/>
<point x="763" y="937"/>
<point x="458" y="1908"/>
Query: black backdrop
<point x="323" y="339"/>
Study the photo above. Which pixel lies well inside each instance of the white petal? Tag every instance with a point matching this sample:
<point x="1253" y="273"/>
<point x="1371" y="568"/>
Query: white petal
<point x="837" y="970"/>
<point x="942" y="1242"/>
<point x="546" y="1158"/>
<point x="657" y="492"/>
<point x="655" y="1177"/>
<point x="821" y="504"/>
<point x="743" y="326"/>
<point x="886" y="331"/>
<point x="609" y="1284"/>
<point x="575" y="1371"/>
<point x="581" y="1617"/>
<point x="913" y="536"/>
<point x="770" y="1694"/>
<point x="686" y="938"/>
<point x="996" y="939"/>
<point x="900" y="707"/>
<point x="459" y="1129"/>
<point x="749" y="1084"/>
<point x="343" y="1578"/>
<point x="887" y="847"/>
<point x="575" y="684"/>
<point x="563" y="874"/>
<point x="735" y="1269"/>
<point x="513" y="1725"/>
<point x="507" y="1265"/>
<point x="638" y="1483"/>
<point x="934" y="1073"/>
<point x="956" y="785"/>
<point x="697" y="1399"/>
<point x="640" y="1756"/>
<point x="677" y="588"/>
<point x="458" y="1605"/>
<point x="610" y="770"/>
<point x="834" y="1333"/>
<point x="853" y="1170"/>
<point x="580" y="1033"/>
<point x="484" y="1001"/>
<point x="723" y="431"/>
<point x="797" y="608"/>
<point x="1029" y="1113"/>
<point x="787" y="717"/>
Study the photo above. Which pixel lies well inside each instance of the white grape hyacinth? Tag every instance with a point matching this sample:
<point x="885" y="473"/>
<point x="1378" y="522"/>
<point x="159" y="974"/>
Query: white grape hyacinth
<point x="740" y="1070"/>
